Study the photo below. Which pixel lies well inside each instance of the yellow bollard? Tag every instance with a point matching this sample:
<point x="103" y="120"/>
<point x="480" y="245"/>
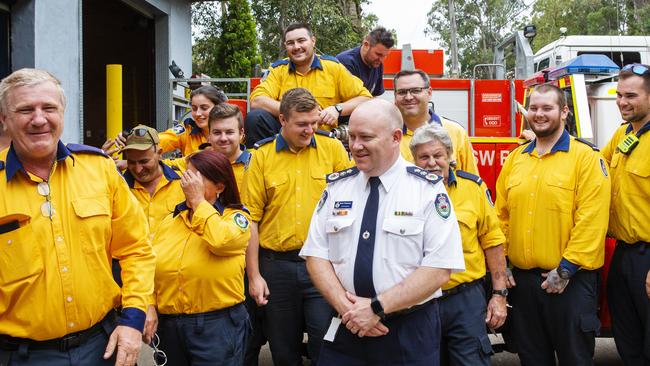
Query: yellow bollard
<point x="113" y="100"/>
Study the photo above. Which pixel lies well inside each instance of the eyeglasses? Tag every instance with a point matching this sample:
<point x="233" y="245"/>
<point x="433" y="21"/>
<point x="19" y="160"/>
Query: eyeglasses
<point x="413" y="91"/>
<point x="158" y="355"/>
<point x="636" y="68"/>
<point x="43" y="189"/>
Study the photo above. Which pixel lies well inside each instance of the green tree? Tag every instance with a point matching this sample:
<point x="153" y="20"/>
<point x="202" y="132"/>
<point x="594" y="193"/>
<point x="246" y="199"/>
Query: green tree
<point x="337" y="24"/>
<point x="480" y="25"/>
<point x="585" y="17"/>
<point x="225" y="39"/>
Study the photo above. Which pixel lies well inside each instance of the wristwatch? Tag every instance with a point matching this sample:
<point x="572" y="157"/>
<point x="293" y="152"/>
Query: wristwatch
<point x="503" y="292"/>
<point x="564" y="273"/>
<point x="376" y="307"/>
<point x="339" y="108"/>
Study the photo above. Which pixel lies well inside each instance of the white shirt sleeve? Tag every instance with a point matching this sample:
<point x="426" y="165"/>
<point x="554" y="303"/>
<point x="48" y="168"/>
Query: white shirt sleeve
<point x="442" y="241"/>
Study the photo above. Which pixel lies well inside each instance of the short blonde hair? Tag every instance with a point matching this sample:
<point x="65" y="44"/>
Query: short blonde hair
<point x="26" y="77"/>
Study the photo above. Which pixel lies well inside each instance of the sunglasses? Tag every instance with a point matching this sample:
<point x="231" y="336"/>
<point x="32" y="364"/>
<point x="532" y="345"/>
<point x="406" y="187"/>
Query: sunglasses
<point x="141" y="132"/>
<point x="636" y="68"/>
<point x="43" y="189"/>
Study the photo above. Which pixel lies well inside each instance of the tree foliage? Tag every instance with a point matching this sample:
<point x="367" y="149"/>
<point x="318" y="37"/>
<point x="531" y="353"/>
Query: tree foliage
<point x="337" y="24"/>
<point x="584" y="17"/>
<point x="227" y="45"/>
<point x="480" y="25"/>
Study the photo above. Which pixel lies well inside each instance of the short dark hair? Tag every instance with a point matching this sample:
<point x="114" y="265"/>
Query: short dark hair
<point x="215" y="95"/>
<point x="215" y="167"/>
<point x="403" y="73"/>
<point x="382" y="36"/>
<point x="223" y="111"/>
<point x="294" y="26"/>
<point x="626" y="74"/>
<point x="550" y="88"/>
<point x="298" y="100"/>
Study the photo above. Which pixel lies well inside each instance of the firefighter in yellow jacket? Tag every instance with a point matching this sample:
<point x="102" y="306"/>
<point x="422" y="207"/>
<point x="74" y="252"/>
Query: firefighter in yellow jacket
<point x="65" y="211"/>
<point x="200" y="269"/>
<point x="553" y="203"/>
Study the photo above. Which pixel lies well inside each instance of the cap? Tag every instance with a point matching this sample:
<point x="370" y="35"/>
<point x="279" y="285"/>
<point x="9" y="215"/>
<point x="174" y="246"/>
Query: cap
<point x="141" y="137"/>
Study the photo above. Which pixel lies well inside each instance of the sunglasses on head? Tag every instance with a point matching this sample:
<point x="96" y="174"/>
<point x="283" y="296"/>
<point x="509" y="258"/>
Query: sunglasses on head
<point x="636" y="68"/>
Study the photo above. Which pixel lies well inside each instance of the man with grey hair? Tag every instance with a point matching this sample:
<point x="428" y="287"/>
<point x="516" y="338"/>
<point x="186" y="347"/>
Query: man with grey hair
<point x="382" y="241"/>
<point x="65" y="212"/>
<point x="464" y="312"/>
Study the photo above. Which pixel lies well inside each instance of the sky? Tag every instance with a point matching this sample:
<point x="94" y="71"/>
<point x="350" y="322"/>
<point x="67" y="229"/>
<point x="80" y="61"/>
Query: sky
<point x="407" y="17"/>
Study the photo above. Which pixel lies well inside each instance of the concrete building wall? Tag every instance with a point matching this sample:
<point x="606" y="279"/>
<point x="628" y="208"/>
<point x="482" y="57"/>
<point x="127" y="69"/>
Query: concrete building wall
<point x="47" y="35"/>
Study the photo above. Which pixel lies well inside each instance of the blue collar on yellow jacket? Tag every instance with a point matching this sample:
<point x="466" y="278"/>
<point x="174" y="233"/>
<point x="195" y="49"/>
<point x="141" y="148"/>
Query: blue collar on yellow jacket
<point x="561" y="145"/>
<point x="168" y="172"/>
<point x="282" y="144"/>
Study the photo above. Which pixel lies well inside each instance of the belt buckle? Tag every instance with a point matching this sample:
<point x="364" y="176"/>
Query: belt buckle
<point x="69" y="341"/>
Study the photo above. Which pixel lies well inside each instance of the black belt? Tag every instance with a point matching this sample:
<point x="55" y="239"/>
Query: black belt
<point x="410" y="310"/>
<point x="291" y="255"/>
<point x="208" y="314"/>
<point x="62" y="344"/>
<point x="641" y="246"/>
<point x="461" y="287"/>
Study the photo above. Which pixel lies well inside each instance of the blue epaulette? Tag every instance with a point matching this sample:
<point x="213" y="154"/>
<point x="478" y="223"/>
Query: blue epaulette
<point x="347" y="173"/>
<point x="245" y="209"/>
<point x="473" y="177"/>
<point x="79" y="148"/>
<point x="325" y="133"/>
<point x="330" y="58"/>
<point x="594" y="147"/>
<point x="2" y="165"/>
<point x="423" y="174"/>
<point x="259" y="143"/>
<point x="280" y="62"/>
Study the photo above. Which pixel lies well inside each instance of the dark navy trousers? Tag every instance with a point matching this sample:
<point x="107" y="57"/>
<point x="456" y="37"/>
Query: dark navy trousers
<point x="464" y="336"/>
<point x="413" y="339"/>
<point x="548" y="325"/>
<point x="294" y="305"/>
<point x="628" y="302"/>
<point x="89" y="353"/>
<point x="258" y="125"/>
<point x="212" y="338"/>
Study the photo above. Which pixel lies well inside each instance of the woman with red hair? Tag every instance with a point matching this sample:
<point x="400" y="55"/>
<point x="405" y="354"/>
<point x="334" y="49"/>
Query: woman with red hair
<point x="199" y="285"/>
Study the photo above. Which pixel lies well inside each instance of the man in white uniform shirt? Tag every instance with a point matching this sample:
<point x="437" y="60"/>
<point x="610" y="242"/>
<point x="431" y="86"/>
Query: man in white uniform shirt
<point x="382" y="241"/>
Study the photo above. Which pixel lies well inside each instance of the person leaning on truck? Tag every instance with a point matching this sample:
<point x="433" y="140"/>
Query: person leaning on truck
<point x="553" y="203"/>
<point x="627" y="154"/>
<point x="337" y="91"/>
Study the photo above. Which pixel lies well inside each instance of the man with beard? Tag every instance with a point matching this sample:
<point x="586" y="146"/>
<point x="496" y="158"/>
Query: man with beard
<point x="367" y="61"/>
<point x="336" y="90"/>
<point x="553" y="204"/>
<point x="627" y="153"/>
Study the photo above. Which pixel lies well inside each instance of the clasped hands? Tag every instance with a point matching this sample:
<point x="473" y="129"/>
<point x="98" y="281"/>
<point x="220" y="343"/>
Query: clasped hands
<point x="359" y="318"/>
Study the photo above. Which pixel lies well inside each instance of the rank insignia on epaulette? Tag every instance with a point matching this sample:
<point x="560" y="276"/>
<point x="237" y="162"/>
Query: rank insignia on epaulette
<point x="443" y="206"/>
<point x="334" y="176"/>
<point x="403" y="213"/>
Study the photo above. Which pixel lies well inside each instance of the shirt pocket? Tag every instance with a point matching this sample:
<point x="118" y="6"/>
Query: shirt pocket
<point x="324" y="90"/>
<point x="468" y="229"/>
<point x="319" y="182"/>
<point x="20" y="251"/>
<point x="638" y="171"/>
<point x="340" y="238"/>
<point x="560" y="192"/>
<point x="275" y="183"/>
<point x="512" y="189"/>
<point x="94" y="222"/>
<point x="404" y="240"/>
